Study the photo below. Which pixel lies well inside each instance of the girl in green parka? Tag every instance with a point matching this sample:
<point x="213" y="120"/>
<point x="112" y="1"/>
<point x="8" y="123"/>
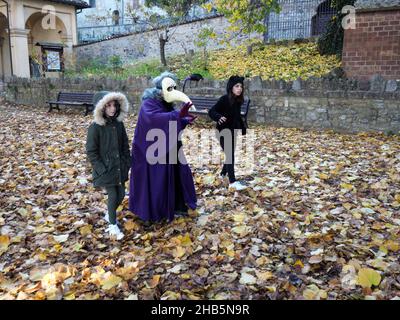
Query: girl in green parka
<point x="107" y="149"/>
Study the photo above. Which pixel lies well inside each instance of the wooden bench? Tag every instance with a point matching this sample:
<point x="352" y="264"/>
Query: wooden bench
<point x="204" y="104"/>
<point x="76" y="99"/>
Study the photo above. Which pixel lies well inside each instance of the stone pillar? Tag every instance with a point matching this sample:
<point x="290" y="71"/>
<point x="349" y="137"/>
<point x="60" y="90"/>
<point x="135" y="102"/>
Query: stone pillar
<point x="20" y="52"/>
<point x="69" y="56"/>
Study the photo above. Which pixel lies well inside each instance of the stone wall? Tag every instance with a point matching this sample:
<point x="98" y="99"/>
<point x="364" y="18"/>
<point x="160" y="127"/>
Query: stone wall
<point x="318" y="103"/>
<point x="146" y="44"/>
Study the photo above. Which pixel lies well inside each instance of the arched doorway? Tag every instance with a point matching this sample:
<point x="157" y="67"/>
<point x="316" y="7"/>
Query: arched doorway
<point x="324" y="13"/>
<point x="5" y="57"/>
<point x="46" y="44"/>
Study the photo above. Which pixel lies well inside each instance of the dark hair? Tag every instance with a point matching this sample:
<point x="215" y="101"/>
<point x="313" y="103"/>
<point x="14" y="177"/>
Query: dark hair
<point x="233" y="99"/>
<point x="232" y="81"/>
<point x="117" y="111"/>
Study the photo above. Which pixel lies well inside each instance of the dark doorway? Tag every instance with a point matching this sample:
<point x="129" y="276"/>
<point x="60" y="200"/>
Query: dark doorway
<point x="320" y="20"/>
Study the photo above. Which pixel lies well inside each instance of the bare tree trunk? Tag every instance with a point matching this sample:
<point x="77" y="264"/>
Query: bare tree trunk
<point x="249" y="49"/>
<point x="205" y="58"/>
<point x="163" y="41"/>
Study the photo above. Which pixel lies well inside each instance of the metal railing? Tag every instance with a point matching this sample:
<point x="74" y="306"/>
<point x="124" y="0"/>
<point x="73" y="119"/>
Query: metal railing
<point x="109" y="29"/>
<point x="298" y="19"/>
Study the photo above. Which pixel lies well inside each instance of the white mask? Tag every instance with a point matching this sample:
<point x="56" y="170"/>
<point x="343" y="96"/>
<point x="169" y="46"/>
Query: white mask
<point x="170" y="93"/>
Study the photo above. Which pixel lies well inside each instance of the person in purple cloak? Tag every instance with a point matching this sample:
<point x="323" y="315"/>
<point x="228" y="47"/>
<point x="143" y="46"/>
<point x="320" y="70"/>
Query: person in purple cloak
<point x="161" y="182"/>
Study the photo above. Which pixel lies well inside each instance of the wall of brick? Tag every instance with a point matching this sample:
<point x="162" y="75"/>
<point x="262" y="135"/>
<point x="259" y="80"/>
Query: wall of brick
<point x="373" y="47"/>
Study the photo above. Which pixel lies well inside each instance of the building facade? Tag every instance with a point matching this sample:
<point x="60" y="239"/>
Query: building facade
<point x="37" y="37"/>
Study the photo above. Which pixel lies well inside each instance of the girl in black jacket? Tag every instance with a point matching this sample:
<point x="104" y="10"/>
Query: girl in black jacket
<point x="226" y="112"/>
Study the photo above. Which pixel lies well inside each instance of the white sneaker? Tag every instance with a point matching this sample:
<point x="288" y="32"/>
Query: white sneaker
<point x="107" y="218"/>
<point x="237" y="186"/>
<point x="114" y="231"/>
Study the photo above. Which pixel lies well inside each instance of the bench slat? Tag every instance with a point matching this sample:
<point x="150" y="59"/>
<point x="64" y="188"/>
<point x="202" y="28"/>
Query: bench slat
<point x="73" y="99"/>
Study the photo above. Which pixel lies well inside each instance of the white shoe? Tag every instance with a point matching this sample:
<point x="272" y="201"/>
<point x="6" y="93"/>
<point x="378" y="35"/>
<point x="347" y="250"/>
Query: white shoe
<point x="224" y="178"/>
<point x="114" y="231"/>
<point x="107" y="218"/>
<point x="237" y="186"/>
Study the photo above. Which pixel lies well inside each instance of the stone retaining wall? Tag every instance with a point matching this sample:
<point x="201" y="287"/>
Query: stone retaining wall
<point x="319" y="103"/>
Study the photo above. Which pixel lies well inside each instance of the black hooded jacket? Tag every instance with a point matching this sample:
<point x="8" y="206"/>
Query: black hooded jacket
<point x="223" y="108"/>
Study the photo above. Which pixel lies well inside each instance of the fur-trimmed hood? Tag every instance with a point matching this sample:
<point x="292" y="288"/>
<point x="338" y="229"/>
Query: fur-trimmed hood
<point x="100" y="100"/>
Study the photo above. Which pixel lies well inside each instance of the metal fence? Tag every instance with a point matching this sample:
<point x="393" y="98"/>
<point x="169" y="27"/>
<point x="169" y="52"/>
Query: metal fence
<point x="298" y="19"/>
<point x="126" y="26"/>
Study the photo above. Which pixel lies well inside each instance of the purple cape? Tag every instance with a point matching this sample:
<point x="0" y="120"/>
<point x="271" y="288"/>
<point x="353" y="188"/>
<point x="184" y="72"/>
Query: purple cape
<point x="154" y="187"/>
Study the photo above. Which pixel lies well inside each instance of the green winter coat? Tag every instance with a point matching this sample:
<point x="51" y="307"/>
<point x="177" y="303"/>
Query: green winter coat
<point x="107" y="145"/>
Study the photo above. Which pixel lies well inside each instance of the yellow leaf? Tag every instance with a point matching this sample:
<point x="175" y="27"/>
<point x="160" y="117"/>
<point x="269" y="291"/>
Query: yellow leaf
<point x="383" y="249"/>
<point x="347" y="205"/>
<point x="186" y="241"/>
<point x="4" y="243"/>
<point x="57" y="164"/>
<point x="70" y="296"/>
<point x="58" y="247"/>
<point x="71" y="172"/>
<point x="239" y="217"/>
<point x="202" y="272"/>
<point x="33" y="288"/>
<point x="323" y="176"/>
<point x="230" y="253"/>
<point x="110" y="281"/>
<point x="129" y="271"/>
<point x="264" y="276"/>
<point x="312" y="292"/>
<point x="299" y="263"/>
<point x="170" y="295"/>
<point x="392" y="245"/>
<point x="368" y="277"/>
<point x="178" y="252"/>
<point x="193" y="213"/>
<point x="42" y="256"/>
<point x="85" y="230"/>
<point x="40" y="295"/>
<point x="346" y="186"/>
<point x="154" y="281"/>
<point x="241" y="230"/>
<point x="130" y="225"/>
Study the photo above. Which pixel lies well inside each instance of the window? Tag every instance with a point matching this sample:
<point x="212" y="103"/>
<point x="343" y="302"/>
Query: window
<point x="52" y="56"/>
<point x="92" y="3"/>
<point x="53" y="60"/>
<point x="115" y="17"/>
